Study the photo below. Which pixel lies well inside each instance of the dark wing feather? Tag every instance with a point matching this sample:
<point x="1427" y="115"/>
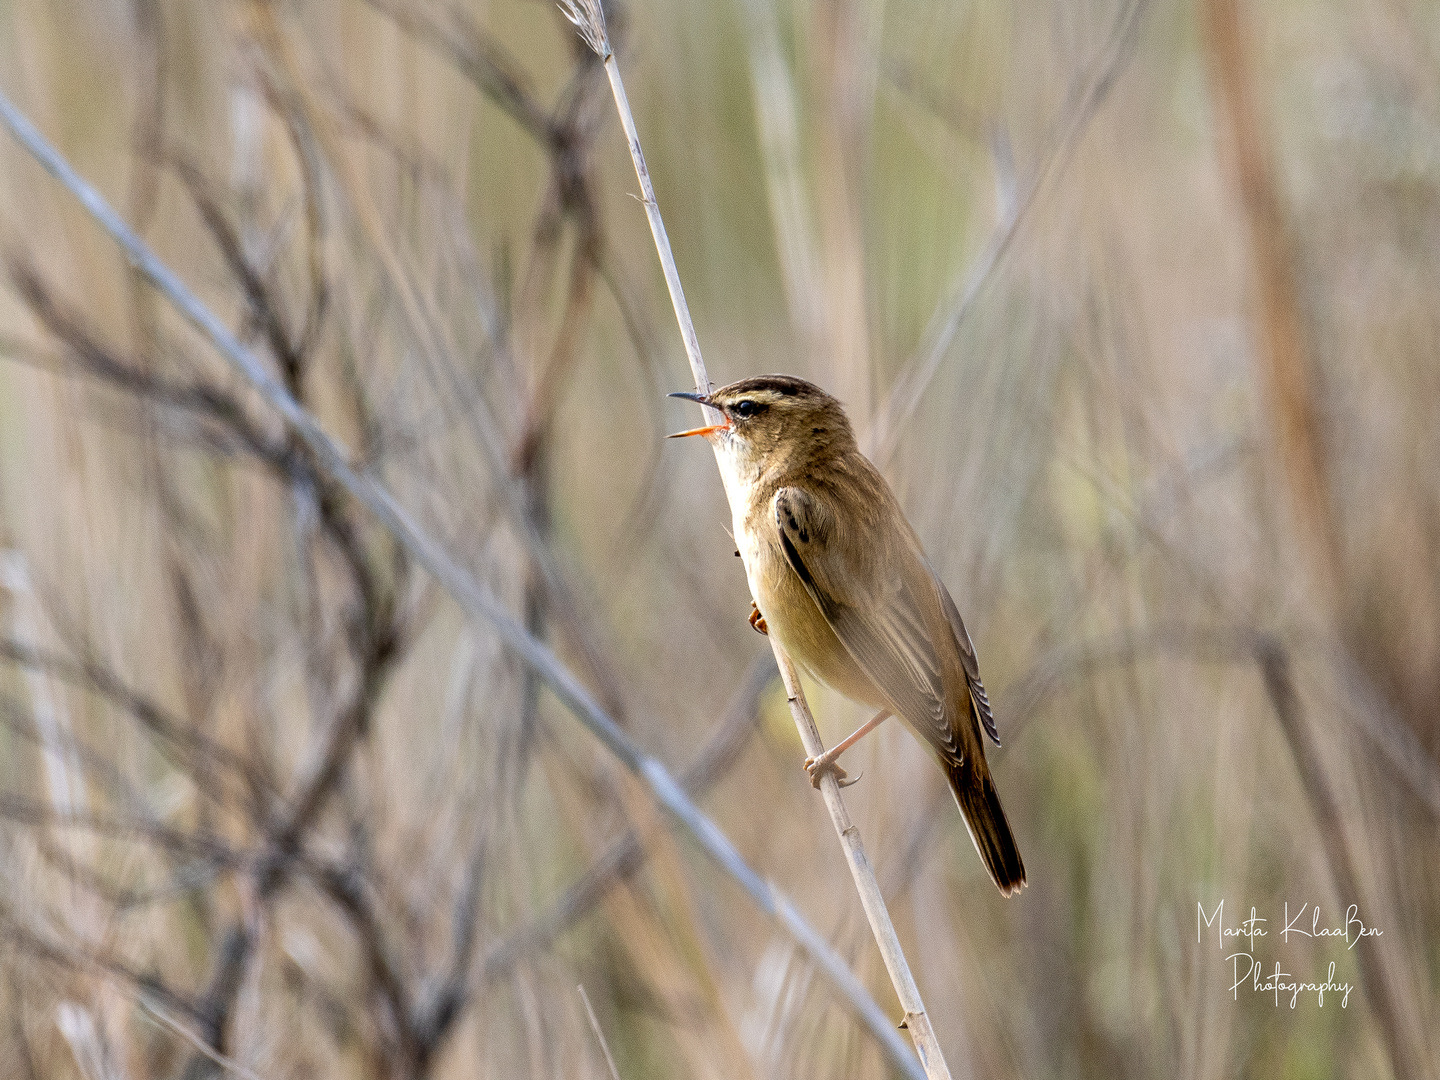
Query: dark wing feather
<point x="968" y="658"/>
<point x="886" y="634"/>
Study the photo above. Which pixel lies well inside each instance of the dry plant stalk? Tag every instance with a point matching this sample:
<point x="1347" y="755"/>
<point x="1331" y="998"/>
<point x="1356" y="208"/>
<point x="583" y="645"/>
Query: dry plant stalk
<point x="1288" y="366"/>
<point x="599" y="1033"/>
<point x="589" y="19"/>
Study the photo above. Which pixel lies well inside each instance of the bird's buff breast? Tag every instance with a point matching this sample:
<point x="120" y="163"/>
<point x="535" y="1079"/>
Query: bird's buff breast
<point x="790" y="614"/>
<point x="793" y="617"/>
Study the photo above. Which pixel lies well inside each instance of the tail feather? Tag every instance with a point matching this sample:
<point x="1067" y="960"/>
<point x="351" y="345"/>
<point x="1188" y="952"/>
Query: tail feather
<point x="979" y="804"/>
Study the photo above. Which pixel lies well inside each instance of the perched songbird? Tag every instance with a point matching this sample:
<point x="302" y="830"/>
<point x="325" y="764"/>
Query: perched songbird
<point x="839" y="577"/>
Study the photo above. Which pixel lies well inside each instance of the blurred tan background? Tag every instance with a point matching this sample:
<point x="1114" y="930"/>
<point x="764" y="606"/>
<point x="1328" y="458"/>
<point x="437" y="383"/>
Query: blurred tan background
<point x="1137" y="304"/>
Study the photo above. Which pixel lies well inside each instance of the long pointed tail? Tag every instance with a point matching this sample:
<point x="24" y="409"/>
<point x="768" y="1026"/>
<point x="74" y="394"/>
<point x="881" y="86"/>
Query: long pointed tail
<point x="979" y="803"/>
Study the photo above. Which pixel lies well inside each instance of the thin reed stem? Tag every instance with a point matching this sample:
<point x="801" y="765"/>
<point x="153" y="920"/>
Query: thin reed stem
<point x="599" y="1033"/>
<point x="588" y="17"/>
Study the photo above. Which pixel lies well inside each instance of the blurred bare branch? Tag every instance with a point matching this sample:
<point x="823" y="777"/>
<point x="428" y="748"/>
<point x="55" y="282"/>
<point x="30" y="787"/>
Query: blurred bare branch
<point x="1382" y="990"/>
<point x="1289" y="370"/>
<point x="1082" y="103"/>
<point x="175" y="736"/>
<point x="625" y="855"/>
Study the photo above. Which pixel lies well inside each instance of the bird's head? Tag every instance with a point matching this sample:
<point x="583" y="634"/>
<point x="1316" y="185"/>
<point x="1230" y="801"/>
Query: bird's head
<point x="768" y="420"/>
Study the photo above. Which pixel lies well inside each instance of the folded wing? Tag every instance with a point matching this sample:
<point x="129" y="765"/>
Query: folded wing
<point x="889" y="630"/>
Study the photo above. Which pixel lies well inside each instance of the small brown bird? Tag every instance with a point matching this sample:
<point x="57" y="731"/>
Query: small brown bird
<point x="839" y="577"/>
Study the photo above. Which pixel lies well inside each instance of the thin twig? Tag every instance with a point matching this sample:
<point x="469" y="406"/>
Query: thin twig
<point x="908" y="389"/>
<point x="180" y="743"/>
<point x="627" y="853"/>
<point x="599" y="1035"/>
<point x="474" y="599"/>
<point x="122" y="827"/>
<point x="482" y="59"/>
<point x="165" y="1020"/>
<point x="587" y="16"/>
<point x="20" y="934"/>
<point x="1284" y="355"/>
<point x="1377" y="978"/>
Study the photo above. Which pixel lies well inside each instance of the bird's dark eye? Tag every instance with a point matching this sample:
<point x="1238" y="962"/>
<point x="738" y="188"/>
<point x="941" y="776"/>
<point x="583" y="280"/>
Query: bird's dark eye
<point x="746" y="407"/>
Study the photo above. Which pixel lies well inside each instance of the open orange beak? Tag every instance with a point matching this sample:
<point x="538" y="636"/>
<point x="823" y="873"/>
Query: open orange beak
<point x="700" y="431"/>
<point x="709" y="430"/>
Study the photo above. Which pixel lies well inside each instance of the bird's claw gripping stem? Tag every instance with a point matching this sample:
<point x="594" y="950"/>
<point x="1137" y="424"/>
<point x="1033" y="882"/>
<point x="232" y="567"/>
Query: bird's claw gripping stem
<point x="817" y="767"/>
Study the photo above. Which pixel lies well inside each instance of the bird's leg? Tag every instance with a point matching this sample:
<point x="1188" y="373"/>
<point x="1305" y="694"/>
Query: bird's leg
<point x="757" y="620"/>
<point x="819" y="766"/>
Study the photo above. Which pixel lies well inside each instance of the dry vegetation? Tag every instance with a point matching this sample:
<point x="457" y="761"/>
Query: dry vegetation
<point x="1136" y="304"/>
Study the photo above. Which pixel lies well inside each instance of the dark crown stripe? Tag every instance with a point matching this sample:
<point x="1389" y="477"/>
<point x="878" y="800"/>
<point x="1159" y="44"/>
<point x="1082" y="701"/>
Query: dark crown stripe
<point x="786" y="385"/>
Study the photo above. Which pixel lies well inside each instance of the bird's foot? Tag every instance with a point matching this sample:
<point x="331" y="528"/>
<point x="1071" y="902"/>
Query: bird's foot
<point x="757" y="620"/>
<point x="816" y="767"/>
